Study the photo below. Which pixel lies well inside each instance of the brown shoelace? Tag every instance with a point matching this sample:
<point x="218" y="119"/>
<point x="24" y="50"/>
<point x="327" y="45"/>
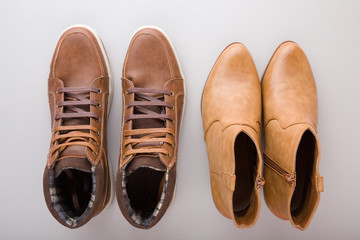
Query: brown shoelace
<point x="148" y="140"/>
<point x="77" y="103"/>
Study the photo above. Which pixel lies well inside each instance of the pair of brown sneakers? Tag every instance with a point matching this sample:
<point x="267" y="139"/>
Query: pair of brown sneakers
<point x="232" y="105"/>
<point x="78" y="182"/>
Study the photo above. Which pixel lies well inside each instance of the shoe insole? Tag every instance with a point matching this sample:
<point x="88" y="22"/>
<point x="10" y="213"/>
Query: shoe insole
<point x="304" y="169"/>
<point x="75" y="187"/>
<point x="245" y="162"/>
<point x="143" y="187"/>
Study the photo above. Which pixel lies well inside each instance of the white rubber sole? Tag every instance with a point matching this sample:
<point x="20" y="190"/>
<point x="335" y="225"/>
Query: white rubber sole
<point x="181" y="73"/>
<point x="111" y="87"/>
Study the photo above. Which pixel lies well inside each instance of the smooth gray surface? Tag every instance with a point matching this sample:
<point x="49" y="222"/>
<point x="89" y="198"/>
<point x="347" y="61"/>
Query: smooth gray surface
<point x="328" y="31"/>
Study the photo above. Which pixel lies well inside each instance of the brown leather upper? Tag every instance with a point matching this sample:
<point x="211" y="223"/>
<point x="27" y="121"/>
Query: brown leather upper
<point x="231" y="104"/>
<point x="79" y="63"/>
<point x="151" y="63"/>
<point x="151" y="75"/>
<point x="290" y="109"/>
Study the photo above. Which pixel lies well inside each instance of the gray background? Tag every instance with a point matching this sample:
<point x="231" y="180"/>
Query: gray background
<point x="328" y="31"/>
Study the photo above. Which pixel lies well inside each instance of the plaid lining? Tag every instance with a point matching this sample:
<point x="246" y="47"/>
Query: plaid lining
<point x="136" y="216"/>
<point x="56" y="199"/>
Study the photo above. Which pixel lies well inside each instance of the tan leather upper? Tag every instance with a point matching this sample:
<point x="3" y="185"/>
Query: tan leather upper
<point x="289" y="88"/>
<point x="238" y="100"/>
<point x="290" y="109"/>
<point x="231" y="104"/>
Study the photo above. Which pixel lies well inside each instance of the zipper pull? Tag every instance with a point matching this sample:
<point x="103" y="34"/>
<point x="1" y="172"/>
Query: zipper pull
<point x="260" y="181"/>
<point x="291" y="178"/>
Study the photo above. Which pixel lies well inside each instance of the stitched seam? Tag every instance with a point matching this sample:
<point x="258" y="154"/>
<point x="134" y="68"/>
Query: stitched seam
<point x="223" y="181"/>
<point x="176" y="117"/>
<point x="222" y="130"/>
<point x="122" y="129"/>
<point x="121" y="161"/>
<point x="164" y="48"/>
<point x="275" y="119"/>
<point x="101" y="130"/>
<point x="91" y="42"/>
<point x="51" y="160"/>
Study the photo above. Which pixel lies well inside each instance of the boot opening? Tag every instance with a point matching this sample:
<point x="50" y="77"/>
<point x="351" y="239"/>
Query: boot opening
<point x="144" y="188"/>
<point x="304" y="197"/>
<point x="74" y="188"/>
<point x="245" y="171"/>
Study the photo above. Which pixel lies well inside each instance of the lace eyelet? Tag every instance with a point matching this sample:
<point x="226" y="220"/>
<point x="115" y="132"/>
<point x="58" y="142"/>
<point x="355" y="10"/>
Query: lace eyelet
<point x="97" y="120"/>
<point x="168" y="155"/>
<point x="172" y="108"/>
<point x="97" y="133"/>
<point x="171" y="94"/>
<point x="99" y="91"/>
<point x="99" y="105"/>
<point x="127" y="92"/>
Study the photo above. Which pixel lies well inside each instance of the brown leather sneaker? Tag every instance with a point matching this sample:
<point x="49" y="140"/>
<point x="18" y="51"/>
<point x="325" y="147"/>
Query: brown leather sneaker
<point x="153" y="104"/>
<point x="292" y="148"/>
<point x="77" y="178"/>
<point x="231" y="113"/>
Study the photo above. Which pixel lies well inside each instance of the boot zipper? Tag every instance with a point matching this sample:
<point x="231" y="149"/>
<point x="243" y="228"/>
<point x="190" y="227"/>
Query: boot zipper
<point x="289" y="177"/>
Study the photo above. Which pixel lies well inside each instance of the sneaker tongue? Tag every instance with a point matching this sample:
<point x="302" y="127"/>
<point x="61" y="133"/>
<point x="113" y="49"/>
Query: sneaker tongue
<point x="73" y="151"/>
<point x="78" y="163"/>
<point x="145" y="162"/>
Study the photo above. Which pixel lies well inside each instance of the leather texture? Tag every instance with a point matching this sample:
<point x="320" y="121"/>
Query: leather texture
<point x="78" y="62"/>
<point x="150" y="63"/>
<point x="231" y="106"/>
<point x="290" y="117"/>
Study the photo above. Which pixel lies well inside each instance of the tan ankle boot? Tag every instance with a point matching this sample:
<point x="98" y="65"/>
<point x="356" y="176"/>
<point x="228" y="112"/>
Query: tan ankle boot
<point x="231" y="112"/>
<point x="292" y="149"/>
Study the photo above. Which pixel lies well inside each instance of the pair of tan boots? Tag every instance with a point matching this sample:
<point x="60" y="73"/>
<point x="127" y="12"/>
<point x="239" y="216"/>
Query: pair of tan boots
<point x="232" y="104"/>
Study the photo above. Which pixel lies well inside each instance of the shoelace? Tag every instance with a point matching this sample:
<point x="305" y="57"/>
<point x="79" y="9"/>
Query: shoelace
<point x="148" y="140"/>
<point x="64" y="136"/>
